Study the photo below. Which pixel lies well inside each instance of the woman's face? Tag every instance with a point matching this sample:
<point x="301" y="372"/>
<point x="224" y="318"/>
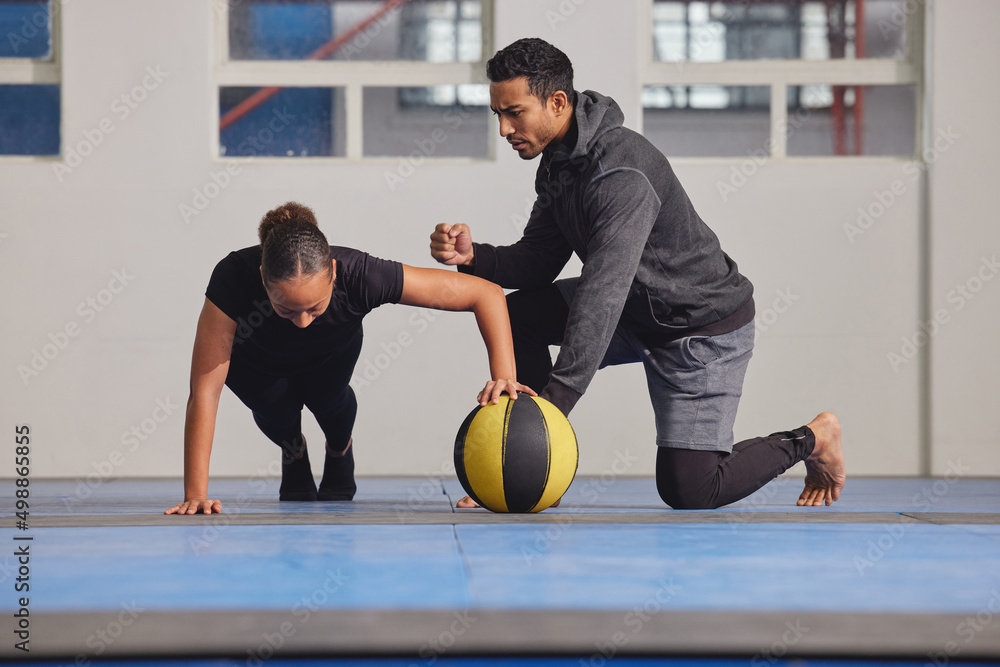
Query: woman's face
<point x="304" y="298"/>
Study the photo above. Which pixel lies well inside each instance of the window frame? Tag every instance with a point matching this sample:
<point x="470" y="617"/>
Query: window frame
<point x="778" y="75"/>
<point x="39" y="71"/>
<point x="353" y="76"/>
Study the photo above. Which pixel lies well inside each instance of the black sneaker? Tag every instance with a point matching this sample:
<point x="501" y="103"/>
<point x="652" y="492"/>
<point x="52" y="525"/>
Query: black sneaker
<point x="338" y="475"/>
<point x="297" y="481"/>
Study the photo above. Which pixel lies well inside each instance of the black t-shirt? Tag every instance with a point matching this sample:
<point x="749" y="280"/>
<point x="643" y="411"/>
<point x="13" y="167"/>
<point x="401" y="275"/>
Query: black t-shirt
<point x="267" y="342"/>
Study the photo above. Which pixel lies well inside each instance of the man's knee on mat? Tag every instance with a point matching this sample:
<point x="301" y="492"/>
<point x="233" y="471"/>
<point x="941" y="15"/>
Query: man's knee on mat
<point x="687" y="496"/>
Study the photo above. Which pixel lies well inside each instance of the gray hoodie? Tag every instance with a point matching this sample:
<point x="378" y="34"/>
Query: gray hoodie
<point x="650" y="263"/>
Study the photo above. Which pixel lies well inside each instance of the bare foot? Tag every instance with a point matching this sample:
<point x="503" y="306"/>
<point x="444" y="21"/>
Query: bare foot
<point x="825" y="471"/>
<point x="467" y="503"/>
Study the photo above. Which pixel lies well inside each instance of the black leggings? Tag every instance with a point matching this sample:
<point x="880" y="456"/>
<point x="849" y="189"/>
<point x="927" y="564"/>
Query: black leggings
<point x="276" y="402"/>
<point x="685" y="478"/>
<point x="689" y="479"/>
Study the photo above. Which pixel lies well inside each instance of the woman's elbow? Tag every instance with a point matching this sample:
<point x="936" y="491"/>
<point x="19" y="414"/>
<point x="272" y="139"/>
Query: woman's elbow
<point x="489" y="296"/>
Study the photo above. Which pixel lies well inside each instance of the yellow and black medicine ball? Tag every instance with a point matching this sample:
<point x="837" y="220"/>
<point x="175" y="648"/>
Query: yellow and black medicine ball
<point x="516" y="456"/>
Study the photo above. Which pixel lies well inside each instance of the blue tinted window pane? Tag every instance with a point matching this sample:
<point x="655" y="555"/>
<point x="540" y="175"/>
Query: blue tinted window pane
<point x="25" y="30"/>
<point x="291" y="122"/>
<point x="278" y="30"/>
<point x="29" y="120"/>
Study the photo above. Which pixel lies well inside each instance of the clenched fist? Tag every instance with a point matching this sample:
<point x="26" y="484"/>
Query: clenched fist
<point x="452" y="245"/>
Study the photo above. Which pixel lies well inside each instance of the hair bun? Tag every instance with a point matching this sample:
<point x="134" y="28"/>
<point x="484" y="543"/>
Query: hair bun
<point x="290" y="212"/>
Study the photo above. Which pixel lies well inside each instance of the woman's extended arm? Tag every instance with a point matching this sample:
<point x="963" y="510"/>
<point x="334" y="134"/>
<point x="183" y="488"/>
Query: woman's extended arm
<point x="445" y="290"/>
<point x="213" y="345"/>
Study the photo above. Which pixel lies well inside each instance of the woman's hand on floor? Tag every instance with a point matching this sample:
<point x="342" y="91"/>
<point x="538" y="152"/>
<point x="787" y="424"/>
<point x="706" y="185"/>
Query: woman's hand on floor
<point x="196" y="506"/>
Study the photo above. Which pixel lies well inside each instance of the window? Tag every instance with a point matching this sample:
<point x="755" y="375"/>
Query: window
<point x="784" y="78"/>
<point x="30" y="113"/>
<point x="353" y="78"/>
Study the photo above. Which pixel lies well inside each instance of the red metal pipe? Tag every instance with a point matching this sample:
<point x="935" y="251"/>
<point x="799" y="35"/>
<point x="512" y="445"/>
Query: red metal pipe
<point x="836" y="34"/>
<point x="331" y="47"/>
<point x="837" y="120"/>
<point x="859" y="91"/>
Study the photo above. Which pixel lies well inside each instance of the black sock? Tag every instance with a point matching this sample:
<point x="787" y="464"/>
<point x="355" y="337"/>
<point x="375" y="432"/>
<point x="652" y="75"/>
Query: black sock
<point x="338" y="475"/>
<point x="297" y="482"/>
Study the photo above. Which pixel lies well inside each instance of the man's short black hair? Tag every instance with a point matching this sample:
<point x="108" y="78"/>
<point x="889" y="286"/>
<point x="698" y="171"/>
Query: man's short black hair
<point x="547" y="68"/>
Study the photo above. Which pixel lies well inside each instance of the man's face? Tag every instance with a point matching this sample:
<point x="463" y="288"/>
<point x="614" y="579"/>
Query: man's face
<point x="527" y="124"/>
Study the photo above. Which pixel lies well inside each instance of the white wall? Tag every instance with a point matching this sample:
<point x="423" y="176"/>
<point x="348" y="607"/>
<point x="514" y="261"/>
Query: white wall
<point x="118" y="210"/>
<point x="965" y="237"/>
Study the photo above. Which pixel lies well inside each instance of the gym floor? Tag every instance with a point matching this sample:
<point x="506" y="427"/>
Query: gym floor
<point x="899" y="569"/>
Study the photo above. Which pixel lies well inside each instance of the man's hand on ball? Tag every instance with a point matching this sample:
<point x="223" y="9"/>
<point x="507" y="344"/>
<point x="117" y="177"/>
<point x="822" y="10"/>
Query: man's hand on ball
<point x="452" y="244"/>
<point x="494" y="388"/>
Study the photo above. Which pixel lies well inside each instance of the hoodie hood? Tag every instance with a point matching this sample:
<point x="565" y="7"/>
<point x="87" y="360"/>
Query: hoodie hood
<point x="595" y="115"/>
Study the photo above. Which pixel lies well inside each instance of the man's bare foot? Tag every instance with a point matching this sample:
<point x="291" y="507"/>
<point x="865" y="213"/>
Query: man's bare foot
<point x="825" y="471"/>
<point x="468" y="503"/>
